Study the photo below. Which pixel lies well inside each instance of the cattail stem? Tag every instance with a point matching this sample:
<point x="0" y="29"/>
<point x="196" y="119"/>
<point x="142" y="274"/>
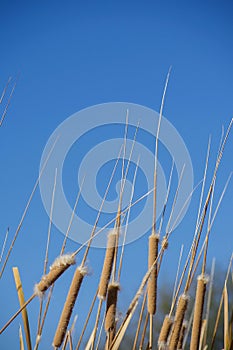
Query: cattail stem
<point x="68" y="306"/>
<point x="107" y="267"/>
<point x="144" y="332"/>
<point x="198" y="310"/>
<point x="139" y="322"/>
<point x="178" y="321"/>
<point x="165" y="331"/>
<point x="86" y="321"/>
<point x="96" y="323"/>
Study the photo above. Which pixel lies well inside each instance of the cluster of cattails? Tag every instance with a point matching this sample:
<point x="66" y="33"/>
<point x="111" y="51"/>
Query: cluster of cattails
<point x="178" y="330"/>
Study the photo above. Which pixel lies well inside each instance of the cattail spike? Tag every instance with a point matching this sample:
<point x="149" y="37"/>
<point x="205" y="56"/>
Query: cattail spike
<point x="178" y="321"/>
<point x="60" y="265"/>
<point x="110" y="316"/>
<point x="107" y="267"/>
<point x="152" y="282"/>
<point x="68" y="306"/>
<point x="165" y="330"/>
<point x="198" y="310"/>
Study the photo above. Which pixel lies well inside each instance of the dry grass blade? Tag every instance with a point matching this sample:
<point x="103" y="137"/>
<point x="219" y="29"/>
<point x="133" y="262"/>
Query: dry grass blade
<point x="4" y="244"/>
<point x="198" y="232"/>
<point x="141" y="344"/>
<point x="209" y="300"/>
<point x="26" y="209"/>
<point x="19" y="289"/>
<point x="17" y="313"/>
<point x="69" y="333"/>
<point x="220" y="306"/>
<point x="121" y="332"/>
<point x="7" y="104"/>
<point x="41" y="322"/>
<point x="112" y="220"/>
<point x="202" y="335"/>
<point x="90" y="341"/>
<point x="226" y="318"/>
<point x="133" y="305"/>
<point x="46" y="255"/>
<point x="21" y="343"/>
<point x="139" y="321"/>
<point x="5" y="89"/>
<point x="86" y="321"/>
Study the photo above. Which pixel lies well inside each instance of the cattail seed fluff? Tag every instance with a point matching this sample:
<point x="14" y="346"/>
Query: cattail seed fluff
<point x="59" y="266"/>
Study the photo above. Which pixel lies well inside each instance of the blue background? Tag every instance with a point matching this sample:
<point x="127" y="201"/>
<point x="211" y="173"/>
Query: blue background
<point x="71" y="55"/>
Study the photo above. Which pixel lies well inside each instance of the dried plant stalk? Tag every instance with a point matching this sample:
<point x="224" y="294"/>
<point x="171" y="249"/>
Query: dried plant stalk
<point x="21" y="343"/>
<point x="107" y="267"/>
<point x="178" y="321"/>
<point x="152" y="283"/>
<point x="68" y="306"/>
<point x="21" y="303"/>
<point x="60" y="265"/>
<point x="182" y="334"/>
<point x="198" y="310"/>
<point x="164" y="332"/>
<point x="226" y="318"/>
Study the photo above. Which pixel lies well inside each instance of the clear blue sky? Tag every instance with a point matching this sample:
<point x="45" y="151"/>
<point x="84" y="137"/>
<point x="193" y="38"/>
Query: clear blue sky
<point x="72" y="55"/>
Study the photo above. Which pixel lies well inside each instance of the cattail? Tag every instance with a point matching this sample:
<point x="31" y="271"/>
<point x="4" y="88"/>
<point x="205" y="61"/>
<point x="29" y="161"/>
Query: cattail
<point x="182" y="334"/>
<point x="165" y="330"/>
<point x="68" y="306"/>
<point x="198" y="310"/>
<point x="107" y="267"/>
<point x="178" y="321"/>
<point x="110" y="316"/>
<point x="152" y="283"/>
<point x="59" y="266"/>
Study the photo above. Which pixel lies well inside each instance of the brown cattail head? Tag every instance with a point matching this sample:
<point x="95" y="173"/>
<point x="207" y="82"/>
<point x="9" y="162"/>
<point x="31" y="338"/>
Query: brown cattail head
<point x="165" y="330"/>
<point x="68" y="306"/>
<point x="152" y="282"/>
<point x="108" y="263"/>
<point x="110" y="316"/>
<point x="202" y="280"/>
<point x="59" y="266"/>
<point x="178" y="321"/>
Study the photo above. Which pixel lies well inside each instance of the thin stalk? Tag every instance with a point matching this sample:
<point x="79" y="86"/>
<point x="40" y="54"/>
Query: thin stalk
<point x="26" y="210"/>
